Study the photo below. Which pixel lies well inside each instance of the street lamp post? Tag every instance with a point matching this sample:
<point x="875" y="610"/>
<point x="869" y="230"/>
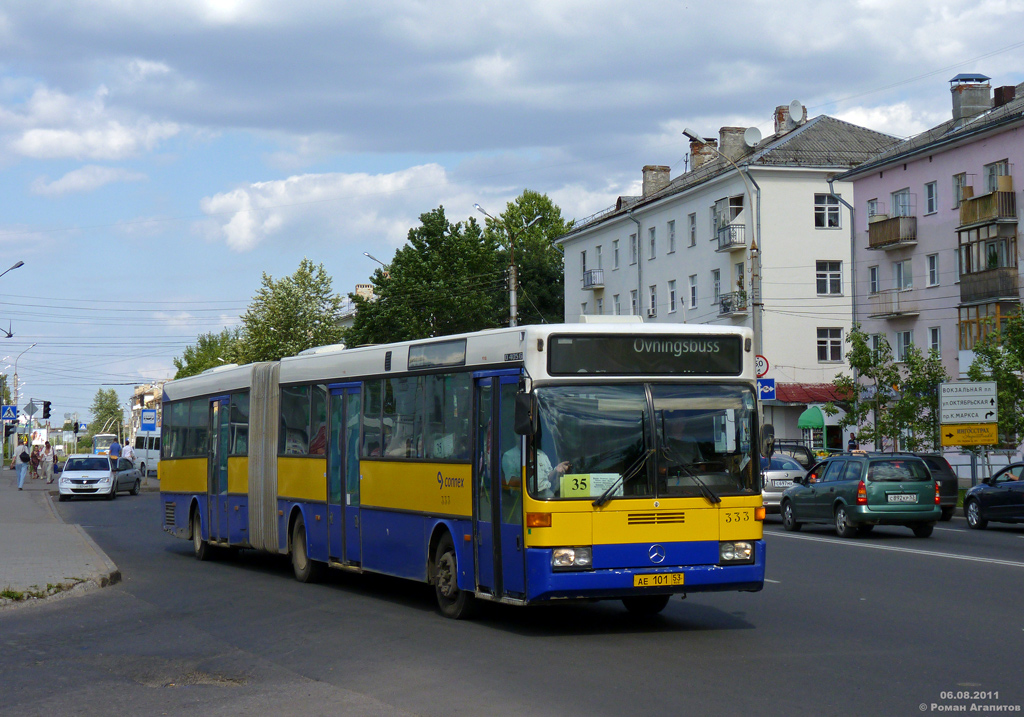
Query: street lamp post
<point x="513" y="279"/>
<point x="387" y="274"/>
<point x="755" y="250"/>
<point x="19" y="264"/>
<point x="16" y="409"/>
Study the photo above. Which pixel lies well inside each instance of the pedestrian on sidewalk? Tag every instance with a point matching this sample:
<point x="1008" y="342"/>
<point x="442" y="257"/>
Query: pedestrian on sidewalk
<point x="20" y="461"/>
<point x="128" y="452"/>
<point x="34" y="461"/>
<point x="46" y="463"/>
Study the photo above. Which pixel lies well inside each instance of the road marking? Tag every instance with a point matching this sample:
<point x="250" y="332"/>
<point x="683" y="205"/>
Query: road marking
<point x="914" y="551"/>
<point x="776" y="582"/>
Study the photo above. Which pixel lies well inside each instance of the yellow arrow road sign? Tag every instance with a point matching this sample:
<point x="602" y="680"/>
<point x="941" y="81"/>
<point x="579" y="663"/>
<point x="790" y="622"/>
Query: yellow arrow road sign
<point x="970" y="434"/>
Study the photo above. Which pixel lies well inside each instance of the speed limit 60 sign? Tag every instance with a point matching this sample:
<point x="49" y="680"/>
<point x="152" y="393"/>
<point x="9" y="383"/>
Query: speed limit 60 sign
<point x="760" y="365"/>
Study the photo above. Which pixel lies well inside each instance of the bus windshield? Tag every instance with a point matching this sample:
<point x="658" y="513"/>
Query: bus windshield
<point x="101" y="442"/>
<point x="644" y="441"/>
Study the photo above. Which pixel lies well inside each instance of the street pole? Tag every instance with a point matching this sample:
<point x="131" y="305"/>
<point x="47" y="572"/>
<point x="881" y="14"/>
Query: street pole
<point x="513" y="277"/>
<point x="14" y="438"/>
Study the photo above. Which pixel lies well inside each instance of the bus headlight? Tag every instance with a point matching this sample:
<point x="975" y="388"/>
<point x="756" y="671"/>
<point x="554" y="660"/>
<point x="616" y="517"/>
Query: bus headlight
<point x="737" y="551"/>
<point x="572" y="558"/>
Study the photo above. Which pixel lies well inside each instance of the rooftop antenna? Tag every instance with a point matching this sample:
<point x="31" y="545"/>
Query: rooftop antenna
<point x="751" y="136"/>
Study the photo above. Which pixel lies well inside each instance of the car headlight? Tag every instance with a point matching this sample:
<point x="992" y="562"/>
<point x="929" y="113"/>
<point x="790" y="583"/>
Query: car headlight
<point x="104" y="481"/>
<point x="572" y="558"/>
<point x="737" y="551"/>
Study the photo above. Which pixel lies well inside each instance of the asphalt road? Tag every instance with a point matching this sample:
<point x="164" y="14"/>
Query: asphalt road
<point x="869" y="626"/>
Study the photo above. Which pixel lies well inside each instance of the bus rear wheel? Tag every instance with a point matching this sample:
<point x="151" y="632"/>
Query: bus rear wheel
<point x="454" y="603"/>
<point x="306" y="569"/>
<point x="646" y="604"/>
<point x="200" y="547"/>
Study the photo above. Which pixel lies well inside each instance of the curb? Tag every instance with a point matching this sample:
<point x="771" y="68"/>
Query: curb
<point x="111" y="575"/>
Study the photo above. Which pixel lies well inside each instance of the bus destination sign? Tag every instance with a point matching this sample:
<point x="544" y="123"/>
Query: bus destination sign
<point x="693" y="355"/>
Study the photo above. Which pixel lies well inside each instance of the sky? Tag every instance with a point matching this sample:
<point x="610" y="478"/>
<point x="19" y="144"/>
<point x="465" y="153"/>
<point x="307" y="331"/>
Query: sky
<point x="158" y="156"/>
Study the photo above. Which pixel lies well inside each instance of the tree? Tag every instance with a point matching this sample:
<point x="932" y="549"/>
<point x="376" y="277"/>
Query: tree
<point x="210" y="350"/>
<point x="290" y="315"/>
<point x="106" y="413"/>
<point x="445" y="280"/>
<point x="999" y="357"/>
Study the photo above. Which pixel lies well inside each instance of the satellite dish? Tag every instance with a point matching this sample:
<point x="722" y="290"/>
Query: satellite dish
<point x="751" y="136"/>
<point x="796" y="111"/>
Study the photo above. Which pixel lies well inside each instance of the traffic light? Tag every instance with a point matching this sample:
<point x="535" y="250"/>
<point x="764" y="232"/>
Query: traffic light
<point x="46" y="409"/>
<point x="76" y="428"/>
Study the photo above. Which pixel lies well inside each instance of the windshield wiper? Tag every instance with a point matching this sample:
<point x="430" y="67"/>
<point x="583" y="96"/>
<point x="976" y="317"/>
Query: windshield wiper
<point x="627" y="475"/>
<point x="708" y="494"/>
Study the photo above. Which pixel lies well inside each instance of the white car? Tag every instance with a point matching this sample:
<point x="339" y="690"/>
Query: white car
<point x="88" y="474"/>
<point x="777" y="476"/>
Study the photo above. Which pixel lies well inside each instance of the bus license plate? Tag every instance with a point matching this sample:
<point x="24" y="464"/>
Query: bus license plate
<point x="902" y="498"/>
<point x="658" y="580"/>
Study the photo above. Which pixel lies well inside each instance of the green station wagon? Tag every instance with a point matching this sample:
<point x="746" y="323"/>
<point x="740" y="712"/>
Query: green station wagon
<point x="855" y="492"/>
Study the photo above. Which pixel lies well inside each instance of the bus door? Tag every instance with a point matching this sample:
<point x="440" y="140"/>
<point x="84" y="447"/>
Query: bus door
<point x="343" y="475"/>
<point x="217" y="469"/>
<point x="498" y="488"/>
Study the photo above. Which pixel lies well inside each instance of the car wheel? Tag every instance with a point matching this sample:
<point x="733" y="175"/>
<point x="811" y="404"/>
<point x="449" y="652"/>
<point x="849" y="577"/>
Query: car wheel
<point x="973" y="512"/>
<point x="923" y="530"/>
<point x="62" y="498"/>
<point x="200" y="547"/>
<point x="646" y="604"/>
<point x="843" y="527"/>
<point x="306" y="569"/>
<point x="788" y="519"/>
<point x="113" y="490"/>
<point x="947" y="513"/>
<point x="454" y="603"/>
<point x="137" y="487"/>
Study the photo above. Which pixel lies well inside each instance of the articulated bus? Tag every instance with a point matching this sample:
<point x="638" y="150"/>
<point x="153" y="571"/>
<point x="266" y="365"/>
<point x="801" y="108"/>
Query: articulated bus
<point x="523" y="465"/>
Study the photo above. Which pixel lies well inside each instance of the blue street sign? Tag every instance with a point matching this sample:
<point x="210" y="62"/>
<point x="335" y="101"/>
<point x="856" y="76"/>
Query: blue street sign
<point x="83" y="426"/>
<point x="8" y="413"/>
<point x="766" y="389"/>
<point x="148" y="420"/>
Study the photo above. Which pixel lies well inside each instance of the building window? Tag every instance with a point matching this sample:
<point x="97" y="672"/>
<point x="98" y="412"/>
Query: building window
<point x="599" y="306"/>
<point x="740" y="271"/>
<point x="615" y="254"/>
<point x="671" y="236"/>
<point x="901" y="203"/>
<point x="931" y="197"/>
<point x="597" y="256"/>
<point x="993" y="172"/>
<point x="693" y="291"/>
<point x="583" y="309"/>
<point x="959" y="182"/>
<point x="830" y="345"/>
<point x="693" y="228"/>
<point x="902" y="276"/>
<point x="872" y="279"/>
<point x="872" y="208"/>
<point x="632" y="303"/>
<point x="616" y="305"/>
<point x="876" y="344"/>
<point x="672" y="296"/>
<point x="829" y="277"/>
<point x="935" y="340"/>
<point x="583" y="261"/>
<point x="716" y="284"/>
<point x="654" y="300"/>
<point x="904" y="340"/>
<point x="652" y="236"/>
<point x="826" y="211"/>
<point x="632" y="248"/>
<point x="933" y="270"/>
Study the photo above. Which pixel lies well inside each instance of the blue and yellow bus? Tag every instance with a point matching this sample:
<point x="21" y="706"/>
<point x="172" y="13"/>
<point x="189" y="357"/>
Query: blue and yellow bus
<point x="522" y="465"/>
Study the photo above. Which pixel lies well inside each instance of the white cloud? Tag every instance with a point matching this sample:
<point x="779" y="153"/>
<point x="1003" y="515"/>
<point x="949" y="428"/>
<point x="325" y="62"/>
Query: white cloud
<point x="900" y="119"/>
<point x="86" y="179"/>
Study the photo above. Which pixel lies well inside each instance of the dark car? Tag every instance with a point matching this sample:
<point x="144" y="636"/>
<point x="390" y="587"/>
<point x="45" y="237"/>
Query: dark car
<point x="797" y="451"/>
<point x="857" y="491"/>
<point x="945" y="476"/>
<point x="999" y="498"/>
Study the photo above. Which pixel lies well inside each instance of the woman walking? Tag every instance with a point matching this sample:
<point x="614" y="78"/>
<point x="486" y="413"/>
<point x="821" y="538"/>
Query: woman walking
<point x="46" y="463"/>
<point x="34" y="458"/>
<point x="20" y="461"/>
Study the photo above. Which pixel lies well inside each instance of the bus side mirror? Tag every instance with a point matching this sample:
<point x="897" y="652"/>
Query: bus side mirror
<point x="526" y="414"/>
<point x="767" y="440"/>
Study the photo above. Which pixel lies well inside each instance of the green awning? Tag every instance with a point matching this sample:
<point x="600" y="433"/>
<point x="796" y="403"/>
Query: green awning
<point x="811" y="418"/>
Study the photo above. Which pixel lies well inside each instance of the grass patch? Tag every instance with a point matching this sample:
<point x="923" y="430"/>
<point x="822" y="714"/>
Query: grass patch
<point x="35" y="592"/>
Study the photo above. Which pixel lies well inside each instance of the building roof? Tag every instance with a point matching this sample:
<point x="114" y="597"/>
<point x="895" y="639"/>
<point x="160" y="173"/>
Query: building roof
<point x="822" y="142"/>
<point x="807" y="393"/>
<point x="948" y="132"/>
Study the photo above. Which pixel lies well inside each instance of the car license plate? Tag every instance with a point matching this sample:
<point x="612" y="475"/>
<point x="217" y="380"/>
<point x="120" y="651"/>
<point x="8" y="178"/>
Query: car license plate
<point x="902" y="497"/>
<point x="657" y="580"/>
<point x="783" y="483"/>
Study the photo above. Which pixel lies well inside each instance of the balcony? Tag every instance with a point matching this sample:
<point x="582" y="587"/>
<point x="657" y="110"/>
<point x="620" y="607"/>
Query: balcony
<point x="892" y="304"/>
<point x="892" y="233"/>
<point x="991" y="207"/>
<point x="733" y="304"/>
<point x="1000" y="283"/>
<point x="593" y="279"/>
<point x="732" y="238"/>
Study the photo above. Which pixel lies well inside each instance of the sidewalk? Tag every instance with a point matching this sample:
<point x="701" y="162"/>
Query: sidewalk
<point x="40" y="555"/>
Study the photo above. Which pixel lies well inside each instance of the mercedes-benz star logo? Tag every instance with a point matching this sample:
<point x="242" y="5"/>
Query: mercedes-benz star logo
<point x="656" y="553"/>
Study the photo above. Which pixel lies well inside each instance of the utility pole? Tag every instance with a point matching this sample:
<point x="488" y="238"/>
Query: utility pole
<point x="513" y="277"/>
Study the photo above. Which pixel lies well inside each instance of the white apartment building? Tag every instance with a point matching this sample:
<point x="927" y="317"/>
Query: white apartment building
<point x="681" y="252"/>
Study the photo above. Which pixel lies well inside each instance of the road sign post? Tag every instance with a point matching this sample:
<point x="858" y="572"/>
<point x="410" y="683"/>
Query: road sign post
<point x="969" y="413"/>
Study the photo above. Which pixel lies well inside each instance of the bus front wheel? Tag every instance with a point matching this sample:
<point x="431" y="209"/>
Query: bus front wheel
<point x="454" y="603"/>
<point x="646" y="604"/>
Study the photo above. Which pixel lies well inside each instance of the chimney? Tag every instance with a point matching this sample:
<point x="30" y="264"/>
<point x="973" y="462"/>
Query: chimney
<point x="784" y="123"/>
<point x="702" y="152"/>
<point x="731" y="142"/>
<point x="656" y="177"/>
<point x="971" y="96"/>
<point x="1005" y="95"/>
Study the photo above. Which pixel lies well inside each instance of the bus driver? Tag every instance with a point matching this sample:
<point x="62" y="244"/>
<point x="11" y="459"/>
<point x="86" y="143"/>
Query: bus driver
<point x="511" y="467"/>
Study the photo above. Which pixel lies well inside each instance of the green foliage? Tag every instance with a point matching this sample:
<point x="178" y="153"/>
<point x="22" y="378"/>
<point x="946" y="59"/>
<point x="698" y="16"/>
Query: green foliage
<point x="885" y="402"/>
<point x="999" y="357"/>
<point x="106" y="412"/>
<point x="209" y="351"/>
<point x="290" y="315"/>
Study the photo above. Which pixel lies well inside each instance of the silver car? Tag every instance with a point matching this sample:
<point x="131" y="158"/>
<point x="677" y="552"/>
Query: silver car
<point x="778" y="474"/>
<point x="88" y="474"/>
